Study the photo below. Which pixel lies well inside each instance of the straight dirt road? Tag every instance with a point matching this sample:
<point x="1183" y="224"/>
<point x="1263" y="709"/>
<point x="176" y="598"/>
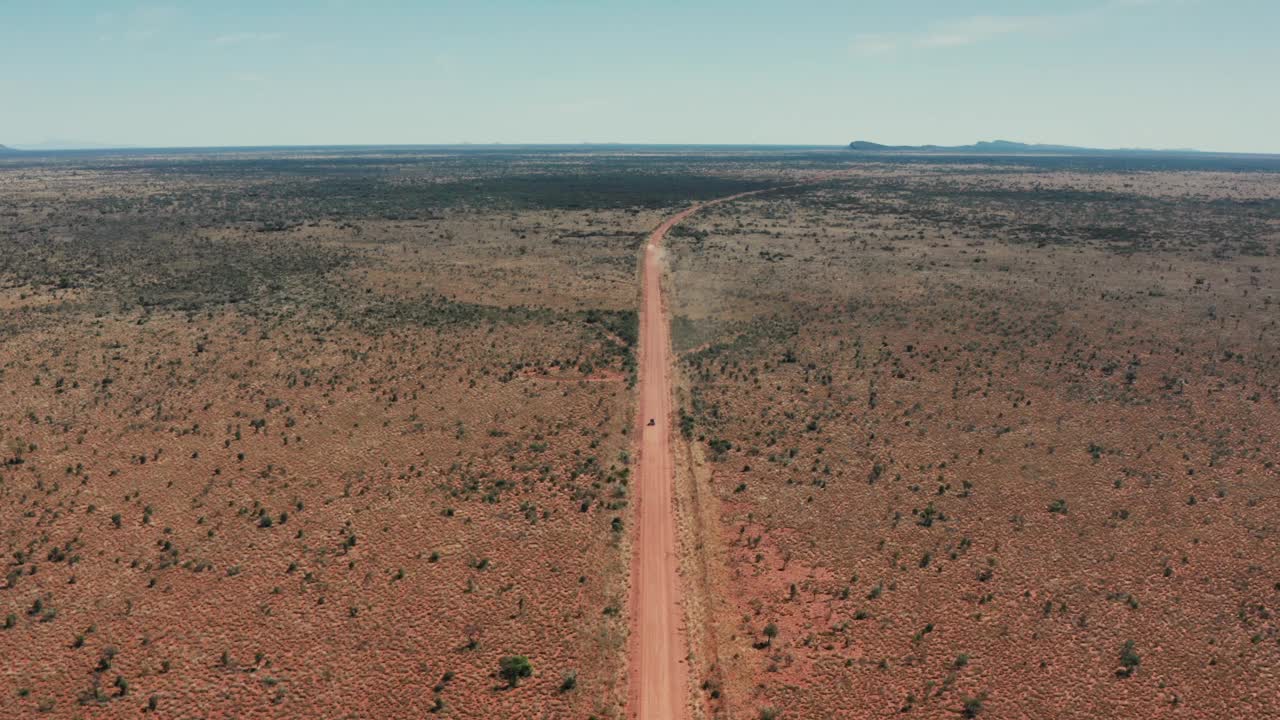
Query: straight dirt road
<point x="659" y="674"/>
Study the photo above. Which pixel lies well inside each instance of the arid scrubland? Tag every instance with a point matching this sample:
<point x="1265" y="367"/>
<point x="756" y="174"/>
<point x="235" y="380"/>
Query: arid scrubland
<point x="319" y="435"/>
<point x="987" y="440"/>
<point x="351" y="434"/>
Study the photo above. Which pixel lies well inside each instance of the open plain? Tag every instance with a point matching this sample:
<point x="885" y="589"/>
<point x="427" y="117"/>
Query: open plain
<point x="987" y="439"/>
<point x="319" y="436"/>
<point x="353" y="433"/>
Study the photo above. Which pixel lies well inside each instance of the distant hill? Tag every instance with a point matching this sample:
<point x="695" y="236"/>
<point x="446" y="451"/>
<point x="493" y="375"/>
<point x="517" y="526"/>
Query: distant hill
<point x="997" y="147"/>
<point x="6" y="149"/>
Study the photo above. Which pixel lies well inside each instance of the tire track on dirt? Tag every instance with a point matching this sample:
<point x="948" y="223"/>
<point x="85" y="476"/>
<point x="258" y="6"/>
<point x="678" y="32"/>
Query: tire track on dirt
<point x="659" y="648"/>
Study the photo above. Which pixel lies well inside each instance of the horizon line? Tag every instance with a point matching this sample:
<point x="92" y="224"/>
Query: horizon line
<point x="1036" y="148"/>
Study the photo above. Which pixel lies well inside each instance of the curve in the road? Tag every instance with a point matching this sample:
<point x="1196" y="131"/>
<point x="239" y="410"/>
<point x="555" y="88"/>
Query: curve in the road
<point x="659" y="674"/>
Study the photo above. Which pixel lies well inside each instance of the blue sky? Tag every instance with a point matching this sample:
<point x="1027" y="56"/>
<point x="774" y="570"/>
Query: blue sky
<point x="1107" y="73"/>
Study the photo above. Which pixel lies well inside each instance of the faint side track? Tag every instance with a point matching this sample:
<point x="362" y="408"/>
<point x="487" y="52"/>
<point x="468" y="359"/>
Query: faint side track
<point x="659" y="674"/>
<point x="659" y="649"/>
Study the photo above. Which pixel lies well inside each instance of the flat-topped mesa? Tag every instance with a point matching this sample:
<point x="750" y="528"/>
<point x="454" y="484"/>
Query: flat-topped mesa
<point x="1006" y="147"/>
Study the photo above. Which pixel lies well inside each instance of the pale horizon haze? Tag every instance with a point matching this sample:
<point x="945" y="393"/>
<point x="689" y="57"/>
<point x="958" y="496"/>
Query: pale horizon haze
<point x="1101" y="73"/>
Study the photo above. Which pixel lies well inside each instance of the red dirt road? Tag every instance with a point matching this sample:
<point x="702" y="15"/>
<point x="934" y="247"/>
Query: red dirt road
<point x="659" y="673"/>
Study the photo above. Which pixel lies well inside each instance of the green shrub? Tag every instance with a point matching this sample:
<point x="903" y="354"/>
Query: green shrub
<point x="513" y="667"/>
<point x="1129" y="659"/>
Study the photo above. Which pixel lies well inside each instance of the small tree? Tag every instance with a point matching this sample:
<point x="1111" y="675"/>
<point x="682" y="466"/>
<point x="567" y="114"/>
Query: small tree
<point x="1129" y="659"/>
<point x="514" y="667"/>
<point x="770" y="632"/>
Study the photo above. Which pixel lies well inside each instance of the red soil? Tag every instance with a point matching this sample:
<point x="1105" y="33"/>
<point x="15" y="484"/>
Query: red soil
<point x="658" y="681"/>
